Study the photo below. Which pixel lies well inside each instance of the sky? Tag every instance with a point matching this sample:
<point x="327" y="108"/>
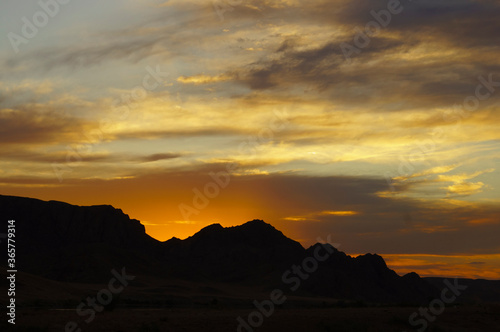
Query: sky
<point x="372" y="122"/>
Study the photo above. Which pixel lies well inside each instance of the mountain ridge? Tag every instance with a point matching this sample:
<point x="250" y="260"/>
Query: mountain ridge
<point x="72" y="243"/>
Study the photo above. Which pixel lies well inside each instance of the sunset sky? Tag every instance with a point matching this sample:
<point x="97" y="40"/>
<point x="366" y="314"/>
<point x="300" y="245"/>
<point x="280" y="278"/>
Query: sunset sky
<point x="374" y="122"/>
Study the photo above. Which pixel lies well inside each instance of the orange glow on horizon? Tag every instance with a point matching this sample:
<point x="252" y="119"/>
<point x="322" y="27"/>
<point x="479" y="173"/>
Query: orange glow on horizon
<point x="451" y="266"/>
<point x="160" y="215"/>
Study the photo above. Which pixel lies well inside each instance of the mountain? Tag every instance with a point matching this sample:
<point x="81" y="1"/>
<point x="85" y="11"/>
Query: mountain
<point x="63" y="242"/>
<point x="240" y="253"/>
<point x="478" y="290"/>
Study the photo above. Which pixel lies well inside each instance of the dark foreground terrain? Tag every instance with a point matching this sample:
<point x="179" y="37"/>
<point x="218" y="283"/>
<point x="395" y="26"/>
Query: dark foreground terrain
<point x="157" y="304"/>
<point x="469" y="318"/>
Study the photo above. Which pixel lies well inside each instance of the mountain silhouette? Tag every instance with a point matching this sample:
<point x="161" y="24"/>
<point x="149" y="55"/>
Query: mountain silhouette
<point x="71" y="243"/>
<point x="239" y="253"/>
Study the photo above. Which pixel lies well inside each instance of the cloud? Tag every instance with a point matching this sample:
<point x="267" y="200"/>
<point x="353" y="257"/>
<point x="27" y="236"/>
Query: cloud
<point x="313" y="216"/>
<point x="157" y="134"/>
<point x="86" y="154"/>
<point x="24" y="155"/>
<point x="163" y="32"/>
<point x="460" y="186"/>
<point x="465" y="189"/>
<point x="29" y="89"/>
<point x="399" y="70"/>
<point x="202" y="79"/>
<point x="159" y="156"/>
<point x="21" y="126"/>
<point x="430" y="171"/>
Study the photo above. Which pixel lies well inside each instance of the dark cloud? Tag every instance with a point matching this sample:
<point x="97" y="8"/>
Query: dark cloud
<point x="464" y="23"/>
<point x="84" y="155"/>
<point x="319" y="67"/>
<point x="157" y="134"/>
<point x="401" y="85"/>
<point x="159" y="156"/>
<point x="25" y="155"/>
<point x="377" y="76"/>
<point x="23" y="126"/>
<point x="380" y="74"/>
